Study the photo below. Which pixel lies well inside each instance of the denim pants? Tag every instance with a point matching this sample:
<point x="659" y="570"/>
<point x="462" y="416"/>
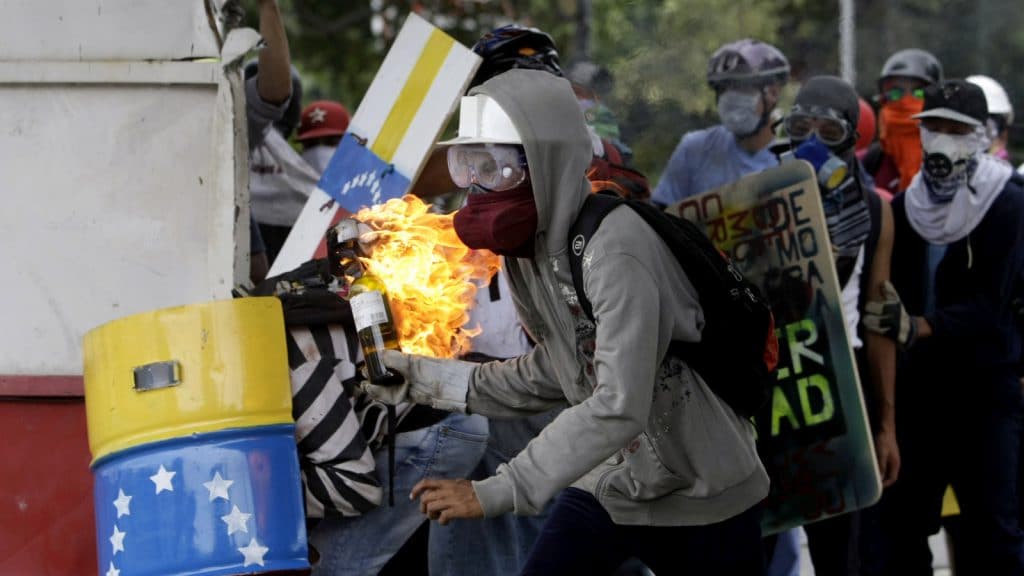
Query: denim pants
<point x="493" y="546"/>
<point x="580" y="538"/>
<point x="362" y="545"/>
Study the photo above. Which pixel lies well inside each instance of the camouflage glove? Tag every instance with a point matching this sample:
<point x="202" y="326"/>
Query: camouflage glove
<point x="436" y="382"/>
<point x="888" y="318"/>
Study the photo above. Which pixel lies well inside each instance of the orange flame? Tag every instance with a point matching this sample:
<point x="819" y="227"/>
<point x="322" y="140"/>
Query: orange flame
<point x="429" y="274"/>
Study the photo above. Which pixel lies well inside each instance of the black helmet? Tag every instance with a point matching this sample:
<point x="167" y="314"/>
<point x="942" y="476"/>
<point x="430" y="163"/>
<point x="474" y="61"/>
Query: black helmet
<point x="293" y="113"/>
<point x="912" y="63"/>
<point x="515" y="46"/>
<point x="747" y="63"/>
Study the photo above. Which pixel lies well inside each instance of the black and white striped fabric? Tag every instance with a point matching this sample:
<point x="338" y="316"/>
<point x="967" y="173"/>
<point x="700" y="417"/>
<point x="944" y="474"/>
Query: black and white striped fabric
<point x="336" y="425"/>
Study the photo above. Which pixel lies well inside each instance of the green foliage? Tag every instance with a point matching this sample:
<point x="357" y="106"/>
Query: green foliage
<point x="657" y="50"/>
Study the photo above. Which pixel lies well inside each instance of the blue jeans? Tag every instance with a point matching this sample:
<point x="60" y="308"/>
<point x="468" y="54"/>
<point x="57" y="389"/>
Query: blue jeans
<point x="362" y="545"/>
<point x="494" y="546"/>
<point x="785" y="557"/>
<point x="580" y="538"/>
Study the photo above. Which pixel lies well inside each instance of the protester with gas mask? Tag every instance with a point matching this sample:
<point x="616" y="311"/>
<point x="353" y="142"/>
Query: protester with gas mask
<point x="822" y="127"/>
<point x="959" y="250"/>
<point x="897" y="157"/>
<point x="673" y="482"/>
<point x="747" y="77"/>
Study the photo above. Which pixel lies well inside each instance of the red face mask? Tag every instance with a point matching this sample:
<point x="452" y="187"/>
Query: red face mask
<point x="503" y="222"/>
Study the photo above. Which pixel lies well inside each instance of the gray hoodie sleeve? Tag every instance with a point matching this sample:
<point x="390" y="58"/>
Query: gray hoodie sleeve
<point x="515" y="388"/>
<point x="631" y="337"/>
<point x="259" y="113"/>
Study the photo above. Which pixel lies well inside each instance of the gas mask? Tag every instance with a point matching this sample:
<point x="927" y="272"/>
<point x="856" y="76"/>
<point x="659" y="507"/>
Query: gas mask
<point x="949" y="162"/>
<point x="318" y="157"/>
<point x="846" y="210"/>
<point x="738" y="111"/>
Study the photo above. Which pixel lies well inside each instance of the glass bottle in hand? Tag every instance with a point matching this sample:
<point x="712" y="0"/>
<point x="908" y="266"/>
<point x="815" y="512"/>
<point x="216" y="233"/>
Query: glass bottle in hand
<point x="375" y="326"/>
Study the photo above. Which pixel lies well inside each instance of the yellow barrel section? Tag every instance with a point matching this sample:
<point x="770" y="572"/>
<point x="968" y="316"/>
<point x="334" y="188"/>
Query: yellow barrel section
<point x="178" y="371"/>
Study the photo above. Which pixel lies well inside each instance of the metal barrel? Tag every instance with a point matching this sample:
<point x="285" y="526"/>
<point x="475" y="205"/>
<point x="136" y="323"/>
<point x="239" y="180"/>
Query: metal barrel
<point x="194" y="461"/>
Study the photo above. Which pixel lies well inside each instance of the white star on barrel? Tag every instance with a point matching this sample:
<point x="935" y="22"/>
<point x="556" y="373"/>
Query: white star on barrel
<point x="117" y="541"/>
<point x="253" y="553"/>
<point x="162" y="479"/>
<point x="218" y="487"/>
<point x="236" y="520"/>
<point x="122" y="504"/>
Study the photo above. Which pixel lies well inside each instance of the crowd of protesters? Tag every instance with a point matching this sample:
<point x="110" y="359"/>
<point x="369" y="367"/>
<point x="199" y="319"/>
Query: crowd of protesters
<point x="576" y="444"/>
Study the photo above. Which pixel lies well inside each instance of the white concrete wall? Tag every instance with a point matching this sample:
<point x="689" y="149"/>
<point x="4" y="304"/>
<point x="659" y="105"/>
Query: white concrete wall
<point x="119" y="180"/>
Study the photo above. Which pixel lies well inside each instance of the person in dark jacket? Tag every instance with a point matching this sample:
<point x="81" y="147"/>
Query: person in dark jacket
<point x="958" y="254"/>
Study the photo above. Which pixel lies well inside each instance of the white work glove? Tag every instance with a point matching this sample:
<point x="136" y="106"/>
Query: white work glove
<point x="437" y="382"/>
<point x="888" y="317"/>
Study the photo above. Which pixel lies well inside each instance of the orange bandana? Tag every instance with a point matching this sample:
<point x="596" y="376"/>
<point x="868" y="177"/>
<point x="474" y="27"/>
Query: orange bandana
<point x="901" y="137"/>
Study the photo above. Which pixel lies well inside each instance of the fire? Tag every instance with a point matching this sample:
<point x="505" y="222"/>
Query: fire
<point x="429" y="274"/>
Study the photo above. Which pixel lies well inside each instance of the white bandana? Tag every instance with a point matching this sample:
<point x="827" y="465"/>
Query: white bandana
<point x="947" y="222"/>
<point x="280" y="181"/>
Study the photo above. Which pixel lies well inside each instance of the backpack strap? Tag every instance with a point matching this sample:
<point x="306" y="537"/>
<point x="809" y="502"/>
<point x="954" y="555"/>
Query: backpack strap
<point x="595" y="208"/>
<point x="875" y="213"/>
<point x="872" y="159"/>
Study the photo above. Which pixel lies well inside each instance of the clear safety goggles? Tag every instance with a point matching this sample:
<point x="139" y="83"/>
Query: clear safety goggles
<point x="495" y="167"/>
<point x="831" y="128"/>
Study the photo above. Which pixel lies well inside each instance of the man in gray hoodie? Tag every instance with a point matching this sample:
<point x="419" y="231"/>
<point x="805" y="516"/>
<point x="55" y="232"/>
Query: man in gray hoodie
<point x="658" y="467"/>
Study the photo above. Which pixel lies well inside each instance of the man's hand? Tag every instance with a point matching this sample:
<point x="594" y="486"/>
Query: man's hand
<point x="888" y="318"/>
<point x="445" y="500"/>
<point x="888" y="454"/>
<point x="437" y="382"/>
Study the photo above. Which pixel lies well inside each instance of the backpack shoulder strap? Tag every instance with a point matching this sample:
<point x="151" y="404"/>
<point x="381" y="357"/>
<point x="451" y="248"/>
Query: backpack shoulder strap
<point x="875" y="213"/>
<point x="595" y="208"/>
<point x="872" y="158"/>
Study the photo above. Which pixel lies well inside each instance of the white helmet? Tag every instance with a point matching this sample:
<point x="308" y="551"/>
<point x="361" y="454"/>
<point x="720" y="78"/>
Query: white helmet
<point x="482" y="121"/>
<point x="995" y="96"/>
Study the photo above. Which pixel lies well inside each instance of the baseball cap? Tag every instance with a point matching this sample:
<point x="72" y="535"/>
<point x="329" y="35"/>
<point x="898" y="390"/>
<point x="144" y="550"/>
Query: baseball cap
<point x="956" y="100"/>
<point x="323" y="118"/>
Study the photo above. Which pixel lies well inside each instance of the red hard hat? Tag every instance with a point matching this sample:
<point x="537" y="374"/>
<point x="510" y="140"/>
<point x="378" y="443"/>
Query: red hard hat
<point x="865" y="125"/>
<point x="323" y="118"/>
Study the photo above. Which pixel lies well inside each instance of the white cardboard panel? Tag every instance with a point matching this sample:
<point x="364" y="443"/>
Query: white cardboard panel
<point x="105" y="30"/>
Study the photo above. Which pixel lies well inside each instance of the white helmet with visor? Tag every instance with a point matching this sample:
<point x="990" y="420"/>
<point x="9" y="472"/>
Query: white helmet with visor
<point x="488" y="151"/>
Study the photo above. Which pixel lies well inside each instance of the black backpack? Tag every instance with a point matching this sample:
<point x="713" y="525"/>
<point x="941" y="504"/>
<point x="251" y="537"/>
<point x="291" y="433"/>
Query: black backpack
<point x="738" y="350"/>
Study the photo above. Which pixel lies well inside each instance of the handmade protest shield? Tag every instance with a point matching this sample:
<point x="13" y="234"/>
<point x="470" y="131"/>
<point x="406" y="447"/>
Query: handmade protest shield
<point x="813" y="434"/>
<point x="388" y="140"/>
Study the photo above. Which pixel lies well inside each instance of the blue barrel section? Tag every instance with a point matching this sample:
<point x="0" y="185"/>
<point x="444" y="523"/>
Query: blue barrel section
<point x="216" y="503"/>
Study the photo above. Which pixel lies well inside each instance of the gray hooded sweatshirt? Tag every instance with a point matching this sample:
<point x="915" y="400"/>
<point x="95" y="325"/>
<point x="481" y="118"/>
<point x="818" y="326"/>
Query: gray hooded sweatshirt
<point x="644" y="434"/>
